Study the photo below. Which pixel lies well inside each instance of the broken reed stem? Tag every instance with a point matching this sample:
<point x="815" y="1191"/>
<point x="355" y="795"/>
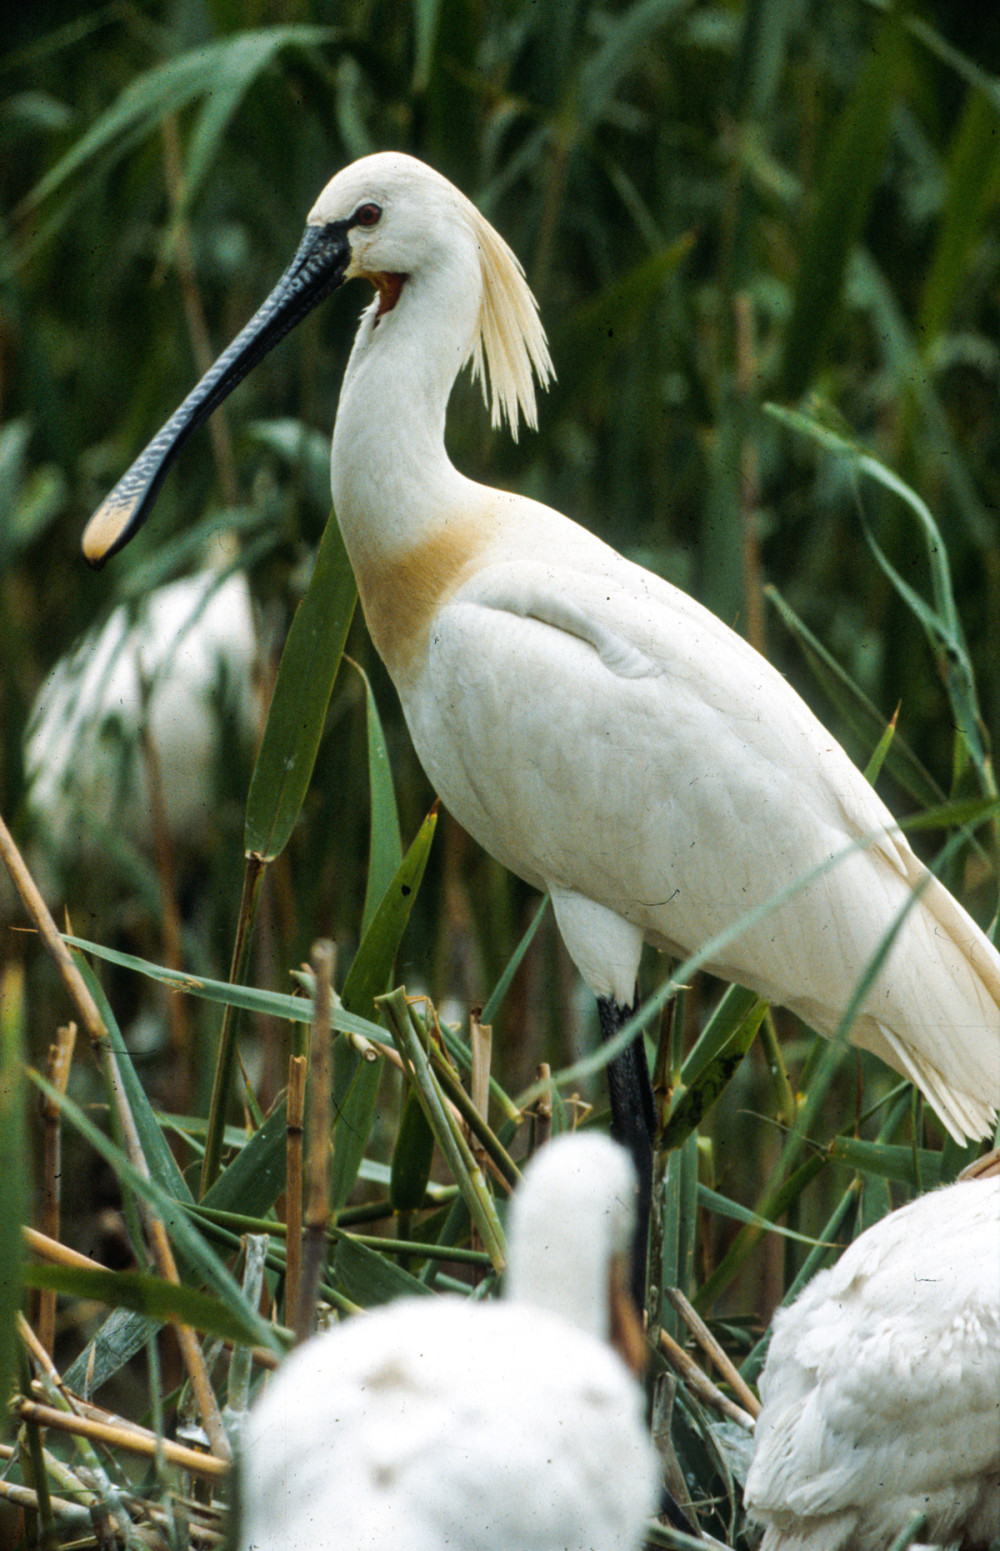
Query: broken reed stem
<point x="468" y="1119"/>
<point x="317" y="1163"/>
<point x="78" y="1515"/>
<point x="409" y="1036"/>
<point x="293" y="1188"/>
<point x="90" y="1015"/>
<point x="57" y="1254"/>
<point x="542" y="1128"/>
<point x="984" y="1167"/>
<point x="684" y="1364"/>
<point x="713" y="1350"/>
<point x="52" y="1391"/>
<point x="27" y="1497"/>
<point x="41" y="1356"/>
<point x="126" y="1437"/>
<point x="57" y="1067"/>
<point x="75" y="1511"/>
<point x="481" y="1047"/>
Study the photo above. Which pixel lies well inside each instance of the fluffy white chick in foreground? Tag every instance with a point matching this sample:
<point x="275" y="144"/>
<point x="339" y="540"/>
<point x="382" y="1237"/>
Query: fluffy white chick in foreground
<point x="442" y="1424"/>
<point x="881" y="1389"/>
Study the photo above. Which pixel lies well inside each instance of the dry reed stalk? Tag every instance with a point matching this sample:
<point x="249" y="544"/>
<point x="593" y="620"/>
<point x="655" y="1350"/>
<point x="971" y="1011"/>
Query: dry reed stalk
<point x="27" y="1497"/>
<point x="57" y="1067"/>
<point x="293" y="1187"/>
<point x="362" y="1043"/>
<point x="482" y="1050"/>
<point x="42" y="1357"/>
<point x="984" y="1167"/>
<point x="701" y="1384"/>
<point x="57" y="1254"/>
<point x="78" y="1515"/>
<point x="713" y="1350"/>
<point x="92" y="1021"/>
<point x="121" y="1436"/>
<point x="543" y="1109"/>
<point x="317" y="1163"/>
<point x="481" y="1045"/>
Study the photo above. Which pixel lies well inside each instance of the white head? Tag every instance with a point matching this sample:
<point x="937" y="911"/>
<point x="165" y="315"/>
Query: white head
<point x="571" y="1226"/>
<point x="403" y="218"/>
<point x="393" y="219"/>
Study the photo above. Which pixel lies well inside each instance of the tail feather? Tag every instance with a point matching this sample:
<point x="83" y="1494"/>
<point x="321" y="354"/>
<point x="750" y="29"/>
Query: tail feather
<point x="959" y="1075"/>
<point x="965" y="1117"/>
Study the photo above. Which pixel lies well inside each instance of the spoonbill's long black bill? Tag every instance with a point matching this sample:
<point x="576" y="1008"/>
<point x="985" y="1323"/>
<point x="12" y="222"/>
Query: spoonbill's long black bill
<point x="317" y="269"/>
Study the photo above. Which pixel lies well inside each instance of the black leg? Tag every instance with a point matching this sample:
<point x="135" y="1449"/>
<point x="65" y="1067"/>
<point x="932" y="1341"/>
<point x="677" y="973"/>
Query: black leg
<point x="633" y="1125"/>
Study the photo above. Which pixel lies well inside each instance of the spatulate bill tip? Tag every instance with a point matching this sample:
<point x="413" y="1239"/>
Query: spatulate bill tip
<point x="109" y="529"/>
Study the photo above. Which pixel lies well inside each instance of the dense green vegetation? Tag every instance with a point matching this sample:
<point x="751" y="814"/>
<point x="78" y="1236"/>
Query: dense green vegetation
<point x="763" y="235"/>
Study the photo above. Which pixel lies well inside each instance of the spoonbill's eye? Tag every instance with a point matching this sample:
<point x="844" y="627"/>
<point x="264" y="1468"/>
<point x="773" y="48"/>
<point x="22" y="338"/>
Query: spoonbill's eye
<point x="367" y="215"/>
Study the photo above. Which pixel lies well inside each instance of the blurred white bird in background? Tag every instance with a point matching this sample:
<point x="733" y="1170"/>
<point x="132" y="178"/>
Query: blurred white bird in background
<point x="181" y="660"/>
<point x="599" y="732"/>
<point x="881" y="1388"/>
<point x="451" y="1424"/>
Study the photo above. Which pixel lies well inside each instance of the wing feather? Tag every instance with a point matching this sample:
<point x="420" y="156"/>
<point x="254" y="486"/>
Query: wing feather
<point x="600" y="732"/>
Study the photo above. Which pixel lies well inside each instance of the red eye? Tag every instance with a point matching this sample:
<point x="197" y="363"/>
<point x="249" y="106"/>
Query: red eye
<point x="367" y="215"/>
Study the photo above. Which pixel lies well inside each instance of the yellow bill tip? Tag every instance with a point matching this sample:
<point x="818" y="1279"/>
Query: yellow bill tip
<point x="107" y="528"/>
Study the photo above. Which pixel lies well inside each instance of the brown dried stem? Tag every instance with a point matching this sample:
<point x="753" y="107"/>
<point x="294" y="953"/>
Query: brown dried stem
<point x="57" y="1254"/>
<point x="481" y="1043"/>
<point x="317" y="1180"/>
<point x="713" y="1350"/>
<point x="90" y="1016"/>
<point x="698" y="1381"/>
<point x="543" y="1109"/>
<point x="121" y="1436"/>
<point x="57" y="1067"/>
<point x="293" y="1187"/>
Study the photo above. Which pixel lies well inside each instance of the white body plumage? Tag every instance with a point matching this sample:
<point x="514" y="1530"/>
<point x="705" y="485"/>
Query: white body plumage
<point x="597" y="730"/>
<point x="184" y="652"/>
<point x="881" y="1389"/>
<point x="439" y="1424"/>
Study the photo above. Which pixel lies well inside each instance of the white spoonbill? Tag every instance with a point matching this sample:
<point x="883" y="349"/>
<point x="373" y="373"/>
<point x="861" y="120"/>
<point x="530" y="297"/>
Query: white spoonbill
<point x="175" y="658"/>
<point x="441" y="1422"/>
<point x="602" y="734"/>
<point x="881" y="1389"/>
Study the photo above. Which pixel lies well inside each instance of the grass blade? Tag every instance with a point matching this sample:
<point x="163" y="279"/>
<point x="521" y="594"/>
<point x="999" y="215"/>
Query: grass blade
<point x="164" y="1302"/>
<point x="189" y="1242"/>
<point x="13" y="1164"/>
<point x="385" y="851"/>
<point x="355" y="1080"/>
<point x="308" y="667"/>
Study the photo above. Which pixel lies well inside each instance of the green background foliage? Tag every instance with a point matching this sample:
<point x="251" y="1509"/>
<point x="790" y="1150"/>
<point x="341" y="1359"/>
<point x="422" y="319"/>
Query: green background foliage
<point x="719" y="206"/>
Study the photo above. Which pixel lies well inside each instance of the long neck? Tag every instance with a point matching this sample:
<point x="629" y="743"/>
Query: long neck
<point x="390" y="472"/>
<point x="411" y="523"/>
<point x="565" y="1269"/>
